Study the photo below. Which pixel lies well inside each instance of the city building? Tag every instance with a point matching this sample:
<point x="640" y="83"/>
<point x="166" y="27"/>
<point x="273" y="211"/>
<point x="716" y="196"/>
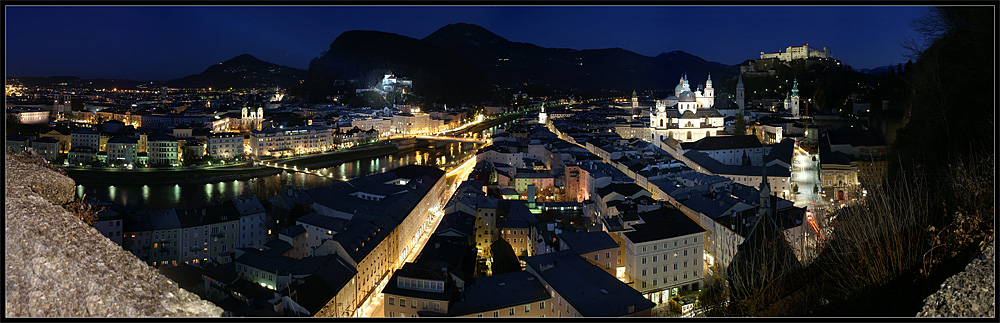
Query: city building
<point x="664" y="254"/>
<point x="61" y="134"/>
<point x="224" y="145"/>
<point x="411" y="123"/>
<point x="163" y="150"/>
<point x="29" y="115"/>
<point x="252" y="227"/>
<point x="597" y="247"/>
<point x="85" y="138"/>
<point x="109" y="224"/>
<point x="382" y="125"/>
<point x="17" y="143"/>
<point x="577" y="288"/>
<point x="291" y="141"/>
<point x="47" y="147"/>
<point x="122" y="151"/>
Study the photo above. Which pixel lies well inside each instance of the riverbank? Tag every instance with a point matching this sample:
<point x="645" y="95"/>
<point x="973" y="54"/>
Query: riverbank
<point x="187" y="176"/>
<point x="489" y="124"/>
<point x="330" y="159"/>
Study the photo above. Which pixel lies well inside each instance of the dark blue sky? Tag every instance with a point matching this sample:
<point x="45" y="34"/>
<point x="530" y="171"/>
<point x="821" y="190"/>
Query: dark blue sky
<point x="150" y="43"/>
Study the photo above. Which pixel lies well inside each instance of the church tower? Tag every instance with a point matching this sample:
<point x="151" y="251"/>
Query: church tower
<point x="740" y="99"/>
<point x="795" y="98"/>
<point x="709" y="91"/>
<point x="765" y="194"/>
<point x="635" y="102"/>
<point x="542" y="116"/>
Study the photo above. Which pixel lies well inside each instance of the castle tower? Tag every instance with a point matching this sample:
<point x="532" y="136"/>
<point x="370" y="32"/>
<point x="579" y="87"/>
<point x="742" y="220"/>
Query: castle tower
<point x="740" y="99"/>
<point x="795" y="98"/>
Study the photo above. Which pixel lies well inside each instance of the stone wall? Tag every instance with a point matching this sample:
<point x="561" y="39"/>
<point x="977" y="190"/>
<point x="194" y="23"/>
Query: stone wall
<point x="58" y="266"/>
<point x="970" y="293"/>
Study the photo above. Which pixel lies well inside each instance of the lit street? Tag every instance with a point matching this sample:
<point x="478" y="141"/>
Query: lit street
<point x="373" y="306"/>
<point x="806" y="177"/>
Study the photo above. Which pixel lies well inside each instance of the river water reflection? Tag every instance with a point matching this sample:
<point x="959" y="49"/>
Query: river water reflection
<point x="161" y="196"/>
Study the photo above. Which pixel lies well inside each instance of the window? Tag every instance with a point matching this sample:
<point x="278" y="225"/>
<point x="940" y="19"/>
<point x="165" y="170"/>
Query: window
<point x="696" y="239"/>
<point x="654" y="258"/>
<point x="511" y="311"/>
<point x="675" y="243"/>
<point x="424" y="305"/>
<point x="664" y="268"/>
<point x="437" y="306"/>
<point x="654" y="282"/>
<point x="596" y="257"/>
<point x="643" y="260"/>
<point x="391" y="313"/>
<point x="654" y="247"/>
<point x="675" y="266"/>
<point x="479" y="315"/>
<point x="607" y="255"/>
<point x="654" y="270"/>
<point x="685" y="253"/>
<point x="402" y="302"/>
<point x="643" y="249"/>
<point x="644" y="272"/>
<point x="643" y="284"/>
<point x="413" y="304"/>
<point x="675" y="277"/>
<point x="685" y="241"/>
<point x="496" y="313"/>
<point x="541" y="305"/>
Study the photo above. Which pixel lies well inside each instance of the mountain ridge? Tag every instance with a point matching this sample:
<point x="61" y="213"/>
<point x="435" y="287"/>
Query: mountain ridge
<point x="241" y="71"/>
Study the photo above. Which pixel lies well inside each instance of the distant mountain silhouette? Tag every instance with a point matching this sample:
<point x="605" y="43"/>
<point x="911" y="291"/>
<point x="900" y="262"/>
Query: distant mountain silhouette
<point x="463" y="62"/>
<point x="877" y="70"/>
<point x="244" y="71"/>
<point x="365" y="56"/>
<point x="508" y="63"/>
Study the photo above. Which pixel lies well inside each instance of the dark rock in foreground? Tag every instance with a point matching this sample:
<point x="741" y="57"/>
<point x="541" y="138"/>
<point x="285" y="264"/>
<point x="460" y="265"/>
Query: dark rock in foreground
<point x="57" y="266"/>
<point x="969" y="293"/>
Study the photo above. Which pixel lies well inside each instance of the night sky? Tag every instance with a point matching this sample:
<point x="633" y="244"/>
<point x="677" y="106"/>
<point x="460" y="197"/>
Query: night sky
<point x="157" y="43"/>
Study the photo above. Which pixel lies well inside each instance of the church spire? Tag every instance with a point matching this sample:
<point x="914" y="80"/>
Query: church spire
<point x="709" y="82"/>
<point x="765" y="190"/>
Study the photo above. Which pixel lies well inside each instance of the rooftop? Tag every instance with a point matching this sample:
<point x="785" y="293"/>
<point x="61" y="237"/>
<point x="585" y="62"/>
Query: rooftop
<point x="591" y="290"/>
<point x="663" y="223"/>
<point x="586" y="242"/>
<point x="500" y="291"/>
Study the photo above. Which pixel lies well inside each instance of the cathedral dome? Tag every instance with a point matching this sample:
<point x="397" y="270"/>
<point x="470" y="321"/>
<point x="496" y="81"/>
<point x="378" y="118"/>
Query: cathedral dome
<point x="686" y="96"/>
<point x="678" y="89"/>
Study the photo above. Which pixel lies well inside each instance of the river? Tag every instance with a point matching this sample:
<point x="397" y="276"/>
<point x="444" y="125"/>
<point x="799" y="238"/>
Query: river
<point x="132" y="197"/>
